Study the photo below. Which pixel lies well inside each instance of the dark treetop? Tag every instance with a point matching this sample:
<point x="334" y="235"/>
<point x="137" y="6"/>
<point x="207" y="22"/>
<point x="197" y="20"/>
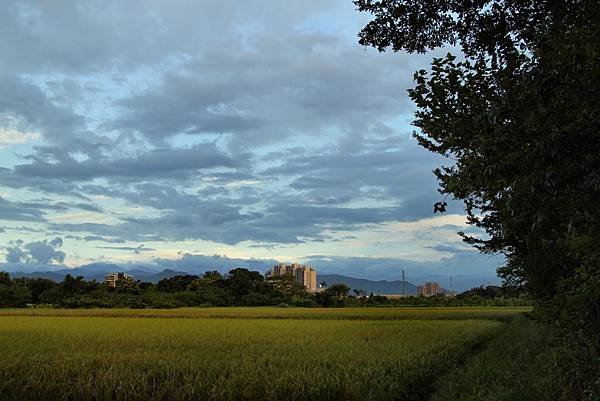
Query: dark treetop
<point x="517" y="116"/>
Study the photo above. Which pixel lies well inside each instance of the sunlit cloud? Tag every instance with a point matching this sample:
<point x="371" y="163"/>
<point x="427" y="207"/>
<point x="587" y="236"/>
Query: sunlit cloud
<point x="9" y="136"/>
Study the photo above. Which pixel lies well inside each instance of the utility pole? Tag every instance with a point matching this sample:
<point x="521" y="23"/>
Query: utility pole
<point x="403" y="285"/>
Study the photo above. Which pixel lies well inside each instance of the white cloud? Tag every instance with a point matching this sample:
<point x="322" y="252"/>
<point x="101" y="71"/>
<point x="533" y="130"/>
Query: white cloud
<point x="9" y="136"/>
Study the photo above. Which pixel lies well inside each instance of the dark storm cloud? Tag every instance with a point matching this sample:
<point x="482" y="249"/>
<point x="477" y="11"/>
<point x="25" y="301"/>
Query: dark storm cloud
<point x="87" y="207"/>
<point x="98" y="238"/>
<point x="21" y="211"/>
<point x="271" y="89"/>
<point x="26" y="107"/>
<point x="88" y="36"/>
<point x="180" y="105"/>
<point x="36" y="211"/>
<point x="225" y="225"/>
<point x="135" y="249"/>
<point x="49" y="204"/>
<point x="162" y="197"/>
<point x="157" y="163"/>
<point x="400" y="173"/>
<point x="24" y="229"/>
<point x="282" y="217"/>
<point x="35" y="109"/>
<point x="49" y="186"/>
<point x="103" y="239"/>
<point x="228" y="224"/>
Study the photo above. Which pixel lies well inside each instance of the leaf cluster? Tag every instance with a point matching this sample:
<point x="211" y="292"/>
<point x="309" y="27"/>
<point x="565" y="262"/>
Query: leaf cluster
<point x="517" y="115"/>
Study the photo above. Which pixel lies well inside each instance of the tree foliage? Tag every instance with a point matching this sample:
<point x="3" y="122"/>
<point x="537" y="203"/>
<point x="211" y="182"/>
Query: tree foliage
<point x="239" y="287"/>
<point x="517" y="115"/>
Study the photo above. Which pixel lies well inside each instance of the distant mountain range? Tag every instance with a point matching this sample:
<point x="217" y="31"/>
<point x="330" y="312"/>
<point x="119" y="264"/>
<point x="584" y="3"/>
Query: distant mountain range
<point x="154" y="273"/>
<point x="98" y="274"/>
<point x="97" y="271"/>
<point x="369" y="286"/>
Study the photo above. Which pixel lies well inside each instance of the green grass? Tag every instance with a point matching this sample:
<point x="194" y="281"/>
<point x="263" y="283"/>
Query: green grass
<point x="519" y="364"/>
<point x="236" y="353"/>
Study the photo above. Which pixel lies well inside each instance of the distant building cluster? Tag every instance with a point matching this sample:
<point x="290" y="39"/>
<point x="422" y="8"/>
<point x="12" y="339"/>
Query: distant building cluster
<point x="429" y="289"/>
<point x="304" y="275"/>
<point x="111" y="278"/>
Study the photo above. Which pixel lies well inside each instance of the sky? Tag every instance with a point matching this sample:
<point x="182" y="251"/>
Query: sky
<point x="144" y="131"/>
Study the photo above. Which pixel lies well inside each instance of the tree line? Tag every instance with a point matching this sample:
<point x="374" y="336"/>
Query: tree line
<point x="516" y="113"/>
<point x="239" y="287"/>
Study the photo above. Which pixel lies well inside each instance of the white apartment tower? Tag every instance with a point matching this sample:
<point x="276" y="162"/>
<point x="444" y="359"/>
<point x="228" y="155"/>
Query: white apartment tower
<point x="304" y="275"/>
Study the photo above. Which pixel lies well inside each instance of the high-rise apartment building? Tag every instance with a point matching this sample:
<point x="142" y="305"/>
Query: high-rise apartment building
<point x="304" y="275"/>
<point x="429" y="289"/>
<point x="111" y="278"/>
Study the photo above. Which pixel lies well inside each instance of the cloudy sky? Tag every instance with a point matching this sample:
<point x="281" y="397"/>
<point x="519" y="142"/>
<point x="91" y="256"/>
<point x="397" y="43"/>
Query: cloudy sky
<point x="134" y="131"/>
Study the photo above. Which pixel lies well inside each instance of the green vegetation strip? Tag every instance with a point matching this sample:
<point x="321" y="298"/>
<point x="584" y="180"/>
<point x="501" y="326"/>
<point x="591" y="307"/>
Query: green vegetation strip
<point x="521" y="363"/>
<point x="426" y="313"/>
<point x="104" y="358"/>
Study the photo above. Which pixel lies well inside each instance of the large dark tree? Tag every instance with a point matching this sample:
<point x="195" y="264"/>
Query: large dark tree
<point x="516" y="111"/>
<point x="176" y="283"/>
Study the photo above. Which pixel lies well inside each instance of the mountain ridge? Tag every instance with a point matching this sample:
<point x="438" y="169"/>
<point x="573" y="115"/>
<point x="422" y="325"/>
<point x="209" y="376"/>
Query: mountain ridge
<point x="383" y="287"/>
<point x="154" y="273"/>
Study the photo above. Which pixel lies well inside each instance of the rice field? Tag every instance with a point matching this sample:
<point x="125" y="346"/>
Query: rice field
<point x="236" y="353"/>
<point x="381" y="313"/>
